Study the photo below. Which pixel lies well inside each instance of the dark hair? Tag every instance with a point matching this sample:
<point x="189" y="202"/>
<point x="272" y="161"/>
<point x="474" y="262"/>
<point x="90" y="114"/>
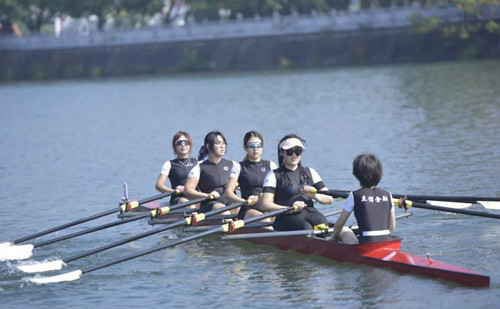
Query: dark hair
<point x="368" y="169"/>
<point x="209" y="140"/>
<point x="248" y="136"/>
<point x="251" y="134"/>
<point x="285" y="180"/>
<point x="177" y="136"/>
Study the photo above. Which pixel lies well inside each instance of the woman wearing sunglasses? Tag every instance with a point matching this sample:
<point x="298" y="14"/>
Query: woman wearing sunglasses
<point x="293" y="184"/>
<point x="249" y="174"/>
<point x="176" y="170"/>
<point x="211" y="175"/>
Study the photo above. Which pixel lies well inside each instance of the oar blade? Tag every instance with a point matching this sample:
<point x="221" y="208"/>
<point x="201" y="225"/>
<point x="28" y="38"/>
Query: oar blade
<point x="21" y="252"/>
<point x="462" y="205"/>
<point x="455" y="205"/>
<point x="71" y="276"/>
<point x="490" y="204"/>
<point x="41" y="267"/>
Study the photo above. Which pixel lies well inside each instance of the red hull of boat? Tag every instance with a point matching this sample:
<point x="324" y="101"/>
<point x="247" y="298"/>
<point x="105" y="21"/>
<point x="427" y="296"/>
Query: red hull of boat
<point x="386" y="254"/>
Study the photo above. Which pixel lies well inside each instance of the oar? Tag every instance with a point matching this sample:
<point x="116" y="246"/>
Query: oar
<point x="291" y="233"/>
<point x="438" y="200"/>
<point x="189" y="220"/>
<point x="225" y="228"/>
<point x="454" y="201"/>
<point x="15" y="253"/>
<point x="262" y="224"/>
<point x="403" y="203"/>
<point x="123" y="207"/>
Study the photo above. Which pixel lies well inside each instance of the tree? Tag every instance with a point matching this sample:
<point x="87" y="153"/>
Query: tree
<point x="477" y="16"/>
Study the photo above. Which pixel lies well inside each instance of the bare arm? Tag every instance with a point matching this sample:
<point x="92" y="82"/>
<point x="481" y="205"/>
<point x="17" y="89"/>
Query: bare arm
<point x="160" y="184"/>
<point x="230" y="188"/>
<point x="337" y="228"/>
<point x="314" y="194"/>
<point x="392" y="222"/>
<point x="191" y="193"/>
<point x="190" y="189"/>
<point x="269" y="205"/>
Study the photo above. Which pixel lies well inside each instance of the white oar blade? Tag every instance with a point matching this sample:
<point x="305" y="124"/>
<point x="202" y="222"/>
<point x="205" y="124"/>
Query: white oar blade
<point x="41" y="267"/>
<point x="21" y="252"/>
<point x="4" y="244"/>
<point x="455" y="205"/>
<point x="490" y="204"/>
<point x="71" y="276"/>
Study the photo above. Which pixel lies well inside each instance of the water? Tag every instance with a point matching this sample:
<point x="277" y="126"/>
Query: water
<point x="66" y="147"/>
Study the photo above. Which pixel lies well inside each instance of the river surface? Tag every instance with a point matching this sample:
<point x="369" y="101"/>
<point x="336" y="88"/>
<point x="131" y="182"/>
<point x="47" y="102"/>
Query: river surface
<point x="67" y="146"/>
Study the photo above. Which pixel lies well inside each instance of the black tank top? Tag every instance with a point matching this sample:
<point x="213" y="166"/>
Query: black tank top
<point x="288" y="191"/>
<point x="179" y="169"/>
<point x="372" y="208"/>
<point x="214" y="177"/>
<point x="252" y="176"/>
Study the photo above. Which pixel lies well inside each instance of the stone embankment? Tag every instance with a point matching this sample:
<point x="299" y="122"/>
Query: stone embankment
<point x="317" y="40"/>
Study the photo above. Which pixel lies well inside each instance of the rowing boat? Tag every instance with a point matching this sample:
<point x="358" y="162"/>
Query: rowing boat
<point x="385" y="254"/>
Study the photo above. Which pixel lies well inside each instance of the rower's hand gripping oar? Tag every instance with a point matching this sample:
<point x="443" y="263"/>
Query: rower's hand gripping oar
<point x="25" y="251"/>
<point x="404" y="203"/>
<point x="189" y="220"/>
<point x="225" y="228"/>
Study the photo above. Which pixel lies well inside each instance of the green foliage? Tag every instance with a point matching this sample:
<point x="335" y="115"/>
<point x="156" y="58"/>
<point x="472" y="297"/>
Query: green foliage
<point x="476" y="18"/>
<point x="284" y="63"/>
<point x="424" y="25"/>
<point x="95" y="72"/>
<point x="492" y="26"/>
<point x="191" y="60"/>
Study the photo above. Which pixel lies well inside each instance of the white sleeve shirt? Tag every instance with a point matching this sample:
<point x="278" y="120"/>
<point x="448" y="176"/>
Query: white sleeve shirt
<point x="165" y="170"/>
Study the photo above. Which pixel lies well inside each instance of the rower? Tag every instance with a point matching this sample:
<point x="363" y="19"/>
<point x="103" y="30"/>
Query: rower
<point x="211" y="175"/>
<point x="372" y="206"/>
<point x="250" y="174"/>
<point x="294" y="185"/>
<point x="177" y="170"/>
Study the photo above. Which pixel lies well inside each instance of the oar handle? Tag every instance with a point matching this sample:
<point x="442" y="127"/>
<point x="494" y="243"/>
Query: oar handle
<point x="195" y="218"/>
<point x="164" y="210"/>
<point x="333" y="193"/>
<point x="129" y="205"/>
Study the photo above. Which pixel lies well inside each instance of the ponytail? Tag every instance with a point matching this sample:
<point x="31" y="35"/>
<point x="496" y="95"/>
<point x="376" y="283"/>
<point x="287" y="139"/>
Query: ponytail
<point x="203" y="153"/>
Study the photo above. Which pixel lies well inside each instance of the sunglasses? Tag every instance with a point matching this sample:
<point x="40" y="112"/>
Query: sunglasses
<point x="291" y="151"/>
<point x="254" y="145"/>
<point x="182" y="142"/>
